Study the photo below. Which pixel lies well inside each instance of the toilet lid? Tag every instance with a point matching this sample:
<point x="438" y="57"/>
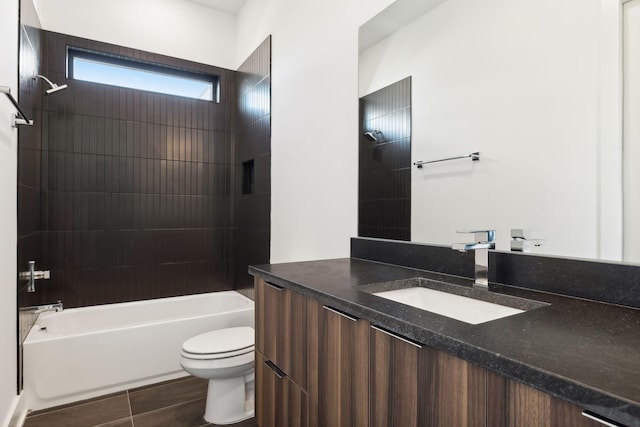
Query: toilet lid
<point x="220" y="341"/>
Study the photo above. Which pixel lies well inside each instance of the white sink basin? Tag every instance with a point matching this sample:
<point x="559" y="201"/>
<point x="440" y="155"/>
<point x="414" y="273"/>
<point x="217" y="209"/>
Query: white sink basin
<point x="458" y="307"/>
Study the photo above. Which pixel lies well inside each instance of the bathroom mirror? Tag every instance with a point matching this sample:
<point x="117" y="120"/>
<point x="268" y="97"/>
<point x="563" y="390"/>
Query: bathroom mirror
<point x="536" y="88"/>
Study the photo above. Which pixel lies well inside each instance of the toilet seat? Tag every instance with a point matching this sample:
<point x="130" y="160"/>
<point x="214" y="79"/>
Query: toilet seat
<point x="220" y="344"/>
<point x="210" y="356"/>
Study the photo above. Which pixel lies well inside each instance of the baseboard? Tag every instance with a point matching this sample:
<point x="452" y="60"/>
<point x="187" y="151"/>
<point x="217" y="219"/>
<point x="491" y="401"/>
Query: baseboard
<point x="17" y="413"/>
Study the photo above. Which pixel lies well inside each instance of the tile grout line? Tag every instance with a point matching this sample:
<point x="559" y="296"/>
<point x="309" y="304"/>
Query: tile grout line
<point x="161" y="384"/>
<point x="72" y="405"/>
<point x="108" y="423"/>
<point x="130" y="410"/>
<point x="127" y="395"/>
<point x="170" y="406"/>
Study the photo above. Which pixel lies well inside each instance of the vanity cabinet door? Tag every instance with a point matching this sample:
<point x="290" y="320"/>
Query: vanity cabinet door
<point x="397" y="389"/>
<point x="279" y="401"/>
<point x="281" y="329"/>
<point x="457" y="391"/>
<point x="413" y="385"/>
<point x="528" y="407"/>
<point x="339" y="361"/>
<point x="270" y="326"/>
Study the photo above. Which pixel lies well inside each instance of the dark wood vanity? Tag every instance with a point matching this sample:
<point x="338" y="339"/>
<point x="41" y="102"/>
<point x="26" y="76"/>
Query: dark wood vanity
<point x="320" y="366"/>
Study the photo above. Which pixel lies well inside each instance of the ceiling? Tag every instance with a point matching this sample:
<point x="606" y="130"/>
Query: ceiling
<point x="229" y="6"/>
<point x="397" y="15"/>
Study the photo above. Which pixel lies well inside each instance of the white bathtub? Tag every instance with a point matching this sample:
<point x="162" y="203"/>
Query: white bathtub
<point x="91" y="351"/>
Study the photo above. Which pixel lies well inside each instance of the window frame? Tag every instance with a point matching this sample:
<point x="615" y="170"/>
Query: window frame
<point x="123" y="61"/>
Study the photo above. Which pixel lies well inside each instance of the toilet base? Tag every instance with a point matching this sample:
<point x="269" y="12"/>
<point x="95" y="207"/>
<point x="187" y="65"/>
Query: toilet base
<point x="227" y="401"/>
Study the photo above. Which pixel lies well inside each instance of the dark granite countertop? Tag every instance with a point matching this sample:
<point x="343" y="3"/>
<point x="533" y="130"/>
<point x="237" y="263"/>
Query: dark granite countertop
<point x="582" y="351"/>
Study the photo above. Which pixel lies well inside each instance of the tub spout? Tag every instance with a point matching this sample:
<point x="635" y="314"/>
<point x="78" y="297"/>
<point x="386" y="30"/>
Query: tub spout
<point x="48" y="307"/>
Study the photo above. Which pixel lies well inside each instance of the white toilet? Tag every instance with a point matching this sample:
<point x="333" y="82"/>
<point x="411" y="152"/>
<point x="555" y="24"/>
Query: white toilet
<point x="224" y="357"/>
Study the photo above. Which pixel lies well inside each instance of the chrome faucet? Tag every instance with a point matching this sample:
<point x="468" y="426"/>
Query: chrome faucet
<point x="32" y="275"/>
<point x="484" y="240"/>
<point x="48" y="307"/>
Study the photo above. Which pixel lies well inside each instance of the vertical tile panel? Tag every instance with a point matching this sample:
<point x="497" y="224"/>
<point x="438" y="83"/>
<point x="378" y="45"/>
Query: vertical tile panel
<point x="250" y="239"/>
<point x="384" y="165"/>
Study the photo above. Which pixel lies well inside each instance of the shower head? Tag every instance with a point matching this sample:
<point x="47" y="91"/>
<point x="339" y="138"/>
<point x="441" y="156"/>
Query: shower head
<point x="52" y="86"/>
<point x="371" y="135"/>
<point x="56" y="88"/>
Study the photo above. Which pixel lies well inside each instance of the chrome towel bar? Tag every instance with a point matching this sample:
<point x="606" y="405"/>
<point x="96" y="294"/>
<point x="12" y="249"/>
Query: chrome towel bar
<point x="474" y="157"/>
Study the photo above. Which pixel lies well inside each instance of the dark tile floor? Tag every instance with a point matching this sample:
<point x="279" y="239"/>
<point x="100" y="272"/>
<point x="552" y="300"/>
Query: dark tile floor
<point x="176" y="403"/>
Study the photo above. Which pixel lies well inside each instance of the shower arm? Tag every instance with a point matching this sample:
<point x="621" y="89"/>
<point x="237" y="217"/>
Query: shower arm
<point x="21" y="118"/>
<point x="53" y="85"/>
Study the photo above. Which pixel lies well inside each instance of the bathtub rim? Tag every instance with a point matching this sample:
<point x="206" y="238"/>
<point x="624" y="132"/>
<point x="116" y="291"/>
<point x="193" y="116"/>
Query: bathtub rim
<point x="32" y="338"/>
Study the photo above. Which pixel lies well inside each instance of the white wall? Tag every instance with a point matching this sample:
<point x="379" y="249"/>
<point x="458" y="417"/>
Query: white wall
<point x="177" y="28"/>
<point x="8" y="219"/>
<point x="632" y="131"/>
<point x="314" y="119"/>
<point x="519" y="82"/>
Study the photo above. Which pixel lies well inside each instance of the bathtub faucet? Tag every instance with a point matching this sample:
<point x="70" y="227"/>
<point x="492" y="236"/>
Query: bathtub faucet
<point x="48" y="307"/>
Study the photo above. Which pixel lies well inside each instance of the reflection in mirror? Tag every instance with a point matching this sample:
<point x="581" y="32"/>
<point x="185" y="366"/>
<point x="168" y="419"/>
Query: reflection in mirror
<point x="534" y="87"/>
<point x="384" y="170"/>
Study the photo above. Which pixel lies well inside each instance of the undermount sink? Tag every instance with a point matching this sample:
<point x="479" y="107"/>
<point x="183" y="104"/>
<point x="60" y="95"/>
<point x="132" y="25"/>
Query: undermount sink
<point x="468" y="305"/>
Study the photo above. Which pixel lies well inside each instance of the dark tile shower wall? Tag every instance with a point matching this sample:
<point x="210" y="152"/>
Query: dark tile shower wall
<point x="384" y="190"/>
<point x="253" y="212"/>
<point x="137" y="188"/>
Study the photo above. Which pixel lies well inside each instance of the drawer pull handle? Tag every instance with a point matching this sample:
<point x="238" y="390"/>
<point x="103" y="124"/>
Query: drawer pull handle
<point x="600" y="419"/>
<point x="340" y="313"/>
<point x="273" y="285"/>
<point x="396" y="336"/>
<point x="275" y="369"/>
